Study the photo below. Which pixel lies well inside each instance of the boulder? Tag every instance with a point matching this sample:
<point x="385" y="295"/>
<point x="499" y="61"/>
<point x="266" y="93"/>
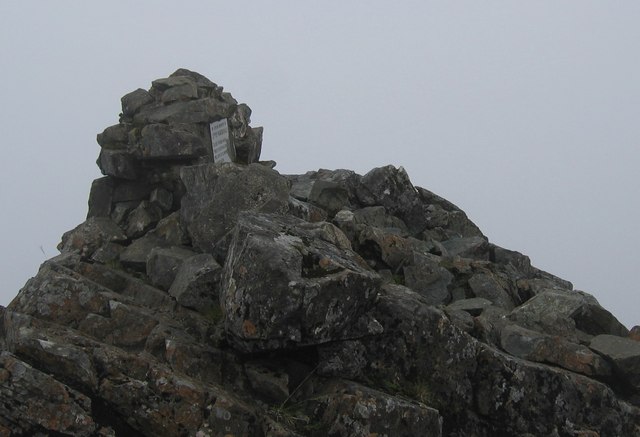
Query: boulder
<point x="378" y="217"/>
<point x="176" y="88"/>
<point x="444" y="219"/>
<point x="117" y="163"/>
<point x="623" y="353"/>
<point x="136" y="254"/>
<point x="163" y="198"/>
<point x="558" y="312"/>
<point x="197" y="283"/>
<point x="134" y="101"/>
<point x="217" y="193"/>
<point x="160" y="141"/>
<point x="386" y="246"/>
<point x="114" y="137"/>
<point x="89" y="236"/>
<point x="467" y="247"/>
<point x="100" y="196"/>
<point x="329" y="196"/>
<point x="171" y="230"/>
<point x="163" y="265"/>
<point x="487" y="286"/>
<point x="390" y="187"/>
<point x="286" y="284"/>
<point x="542" y="348"/>
<point x="306" y="211"/>
<point x="142" y="218"/>
<point x="427" y="277"/>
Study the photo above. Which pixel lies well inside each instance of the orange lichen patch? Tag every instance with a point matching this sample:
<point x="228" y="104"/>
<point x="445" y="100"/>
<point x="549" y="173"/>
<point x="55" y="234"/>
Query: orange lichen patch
<point x="326" y="263"/>
<point x="248" y="328"/>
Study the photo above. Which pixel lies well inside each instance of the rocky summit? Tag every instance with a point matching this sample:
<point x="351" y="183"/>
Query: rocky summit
<point x="206" y="294"/>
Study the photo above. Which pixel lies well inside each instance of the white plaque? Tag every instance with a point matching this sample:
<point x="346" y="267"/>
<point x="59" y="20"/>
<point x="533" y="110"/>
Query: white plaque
<point x="223" y="150"/>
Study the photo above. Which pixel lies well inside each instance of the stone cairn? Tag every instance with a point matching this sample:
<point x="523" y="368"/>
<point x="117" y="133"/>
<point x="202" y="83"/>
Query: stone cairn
<point x="208" y="295"/>
<point x="160" y="131"/>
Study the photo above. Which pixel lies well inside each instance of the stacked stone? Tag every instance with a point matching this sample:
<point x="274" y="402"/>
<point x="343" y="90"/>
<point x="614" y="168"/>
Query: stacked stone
<point x="161" y="130"/>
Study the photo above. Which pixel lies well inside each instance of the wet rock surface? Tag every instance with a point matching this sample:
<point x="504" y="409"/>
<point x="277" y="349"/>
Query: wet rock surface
<point x="205" y="298"/>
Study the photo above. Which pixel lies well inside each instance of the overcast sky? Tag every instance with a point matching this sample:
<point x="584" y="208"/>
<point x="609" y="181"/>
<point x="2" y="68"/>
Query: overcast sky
<point x="524" y="114"/>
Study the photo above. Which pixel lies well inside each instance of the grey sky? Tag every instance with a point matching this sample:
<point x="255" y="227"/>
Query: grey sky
<point x="524" y="114"/>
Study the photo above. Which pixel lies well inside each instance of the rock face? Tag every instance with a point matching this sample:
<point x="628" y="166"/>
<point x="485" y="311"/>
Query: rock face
<point x="205" y="298"/>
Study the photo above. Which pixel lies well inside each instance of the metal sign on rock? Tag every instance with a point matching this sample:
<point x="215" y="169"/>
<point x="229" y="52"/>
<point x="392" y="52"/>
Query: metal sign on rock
<point x="223" y="149"/>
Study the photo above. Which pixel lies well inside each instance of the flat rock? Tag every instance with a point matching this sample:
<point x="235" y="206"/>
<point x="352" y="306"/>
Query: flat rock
<point x="473" y="306"/>
<point x="467" y="247"/>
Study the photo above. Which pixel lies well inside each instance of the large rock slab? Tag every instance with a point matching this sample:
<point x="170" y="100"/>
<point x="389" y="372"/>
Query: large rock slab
<point x="57" y="294"/>
<point x="541" y="348"/>
<point x="35" y="403"/>
<point x="287" y="284"/>
<point x="136" y="392"/>
<point x="349" y="409"/>
<point x="160" y="141"/>
<point x="558" y="312"/>
<point x="191" y="111"/>
<point x="217" y="193"/>
<point x="623" y="353"/>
